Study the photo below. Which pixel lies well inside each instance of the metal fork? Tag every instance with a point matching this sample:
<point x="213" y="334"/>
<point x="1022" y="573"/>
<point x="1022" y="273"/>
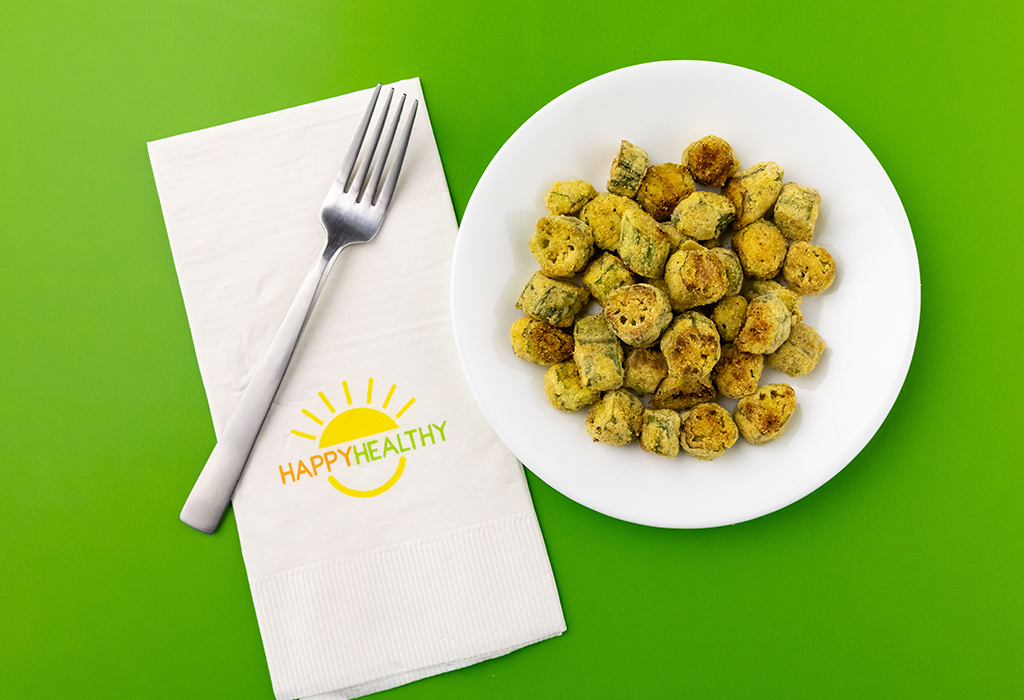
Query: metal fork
<point x="352" y="213"/>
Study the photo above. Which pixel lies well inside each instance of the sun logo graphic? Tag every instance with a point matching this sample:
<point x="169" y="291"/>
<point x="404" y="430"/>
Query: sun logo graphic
<point x="352" y="429"/>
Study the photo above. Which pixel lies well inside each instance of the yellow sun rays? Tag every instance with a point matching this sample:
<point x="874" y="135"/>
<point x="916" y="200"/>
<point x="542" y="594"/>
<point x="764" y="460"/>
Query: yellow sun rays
<point x="348" y="400"/>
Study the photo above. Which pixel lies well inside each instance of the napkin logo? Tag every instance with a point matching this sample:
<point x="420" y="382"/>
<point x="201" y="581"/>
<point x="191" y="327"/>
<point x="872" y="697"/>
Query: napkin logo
<point x="350" y="428"/>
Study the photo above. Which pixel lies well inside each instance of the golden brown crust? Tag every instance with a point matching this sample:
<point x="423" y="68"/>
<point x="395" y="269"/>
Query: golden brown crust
<point x="604" y="216"/>
<point x="695" y="276"/>
<point x="729" y="316"/>
<point x="800" y="353"/>
<point x="659" y="433"/>
<point x="737" y="372"/>
<point x="691" y="345"/>
<point x="761" y="249"/>
<point x="796" y="211"/>
<point x="706" y="431"/>
<point x="615" y="419"/>
<point x="682" y="393"/>
<point x="662" y="188"/>
<point x="564" y="388"/>
<point x="638" y="314"/>
<point x="562" y="245"/>
<point x="754" y="191"/>
<point x="540" y="342"/>
<point x="644" y="368"/>
<point x="763" y="416"/>
<point x="711" y="160"/>
<point x="809" y="268"/>
<point x="568" y="197"/>
<point x="767" y="325"/>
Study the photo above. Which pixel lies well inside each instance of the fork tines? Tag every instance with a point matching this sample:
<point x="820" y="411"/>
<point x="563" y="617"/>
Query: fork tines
<point x="354" y="180"/>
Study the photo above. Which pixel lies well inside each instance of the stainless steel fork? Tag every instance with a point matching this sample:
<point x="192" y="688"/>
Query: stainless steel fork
<point x="352" y="213"/>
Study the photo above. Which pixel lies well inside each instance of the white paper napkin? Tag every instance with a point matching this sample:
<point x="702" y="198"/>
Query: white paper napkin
<point x="388" y="535"/>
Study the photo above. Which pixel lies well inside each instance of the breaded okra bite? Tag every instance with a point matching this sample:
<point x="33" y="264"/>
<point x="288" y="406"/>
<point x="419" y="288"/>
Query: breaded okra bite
<point x="644" y="369"/>
<point x="662" y="188"/>
<point x="539" y="342"/>
<point x="800" y="353"/>
<point x="562" y="245"/>
<point x="762" y="416"/>
<point x="703" y="215"/>
<point x="737" y="373"/>
<point x="706" y="431"/>
<point x="568" y="197"/>
<point x="711" y="160"/>
<point x="554" y="301"/>
<point x="695" y="276"/>
<point x="616" y="419"/>
<point x="638" y="314"/>
<point x="564" y="388"/>
<point x="604" y="216"/>
<point x="604" y="274"/>
<point x="754" y="191"/>
<point x="659" y="433"/>
<point x="760" y="248"/>
<point x="643" y="246"/>
<point x="691" y="345"/>
<point x="809" y="268"/>
<point x="683" y="393"/>
<point x="628" y="170"/>
<point x="796" y="211"/>
<point x="729" y="316"/>
<point x="766" y="327"/>
<point x="597" y="353"/>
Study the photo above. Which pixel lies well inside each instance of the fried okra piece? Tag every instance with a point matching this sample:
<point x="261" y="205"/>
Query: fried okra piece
<point x="662" y="188"/>
<point x="616" y="419"/>
<point x="644" y="369"/>
<point x="643" y="246"/>
<point x="604" y="274"/>
<point x="638" y="314"/>
<point x="733" y="269"/>
<point x="711" y="160"/>
<point x="660" y="432"/>
<point x="790" y="298"/>
<point x="682" y="393"/>
<point x="564" y="388"/>
<point x="540" y="342"/>
<point x="562" y="245"/>
<point x="761" y="249"/>
<point x="597" y="353"/>
<point x="706" y="431"/>
<point x="695" y="276"/>
<point x="796" y="210"/>
<point x="703" y="215"/>
<point x="604" y="216"/>
<point x="675" y="239"/>
<point x="729" y="315"/>
<point x="628" y="170"/>
<point x="691" y="345"/>
<point x="809" y="268"/>
<point x="754" y="191"/>
<point x="762" y="416"/>
<point x="737" y="373"/>
<point x="554" y="301"/>
<point x="568" y="197"/>
<point x="766" y="327"/>
<point x="800" y="353"/>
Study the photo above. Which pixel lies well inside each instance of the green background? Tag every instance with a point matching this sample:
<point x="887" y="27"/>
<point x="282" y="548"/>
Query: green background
<point x="901" y="577"/>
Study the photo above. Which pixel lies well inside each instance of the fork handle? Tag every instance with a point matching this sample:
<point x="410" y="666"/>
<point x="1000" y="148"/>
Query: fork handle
<point x="213" y="489"/>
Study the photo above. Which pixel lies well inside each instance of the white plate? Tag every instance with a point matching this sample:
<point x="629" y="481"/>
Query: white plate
<point x="868" y="318"/>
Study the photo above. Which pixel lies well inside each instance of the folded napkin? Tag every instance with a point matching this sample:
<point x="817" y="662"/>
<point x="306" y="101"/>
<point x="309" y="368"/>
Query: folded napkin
<point x="387" y="534"/>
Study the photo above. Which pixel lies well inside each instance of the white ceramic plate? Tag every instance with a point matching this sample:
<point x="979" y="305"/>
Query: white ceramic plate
<point x="868" y="318"/>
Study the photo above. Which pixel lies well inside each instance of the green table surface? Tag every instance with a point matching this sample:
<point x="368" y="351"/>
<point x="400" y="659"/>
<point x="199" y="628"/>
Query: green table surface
<point x="901" y="577"/>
